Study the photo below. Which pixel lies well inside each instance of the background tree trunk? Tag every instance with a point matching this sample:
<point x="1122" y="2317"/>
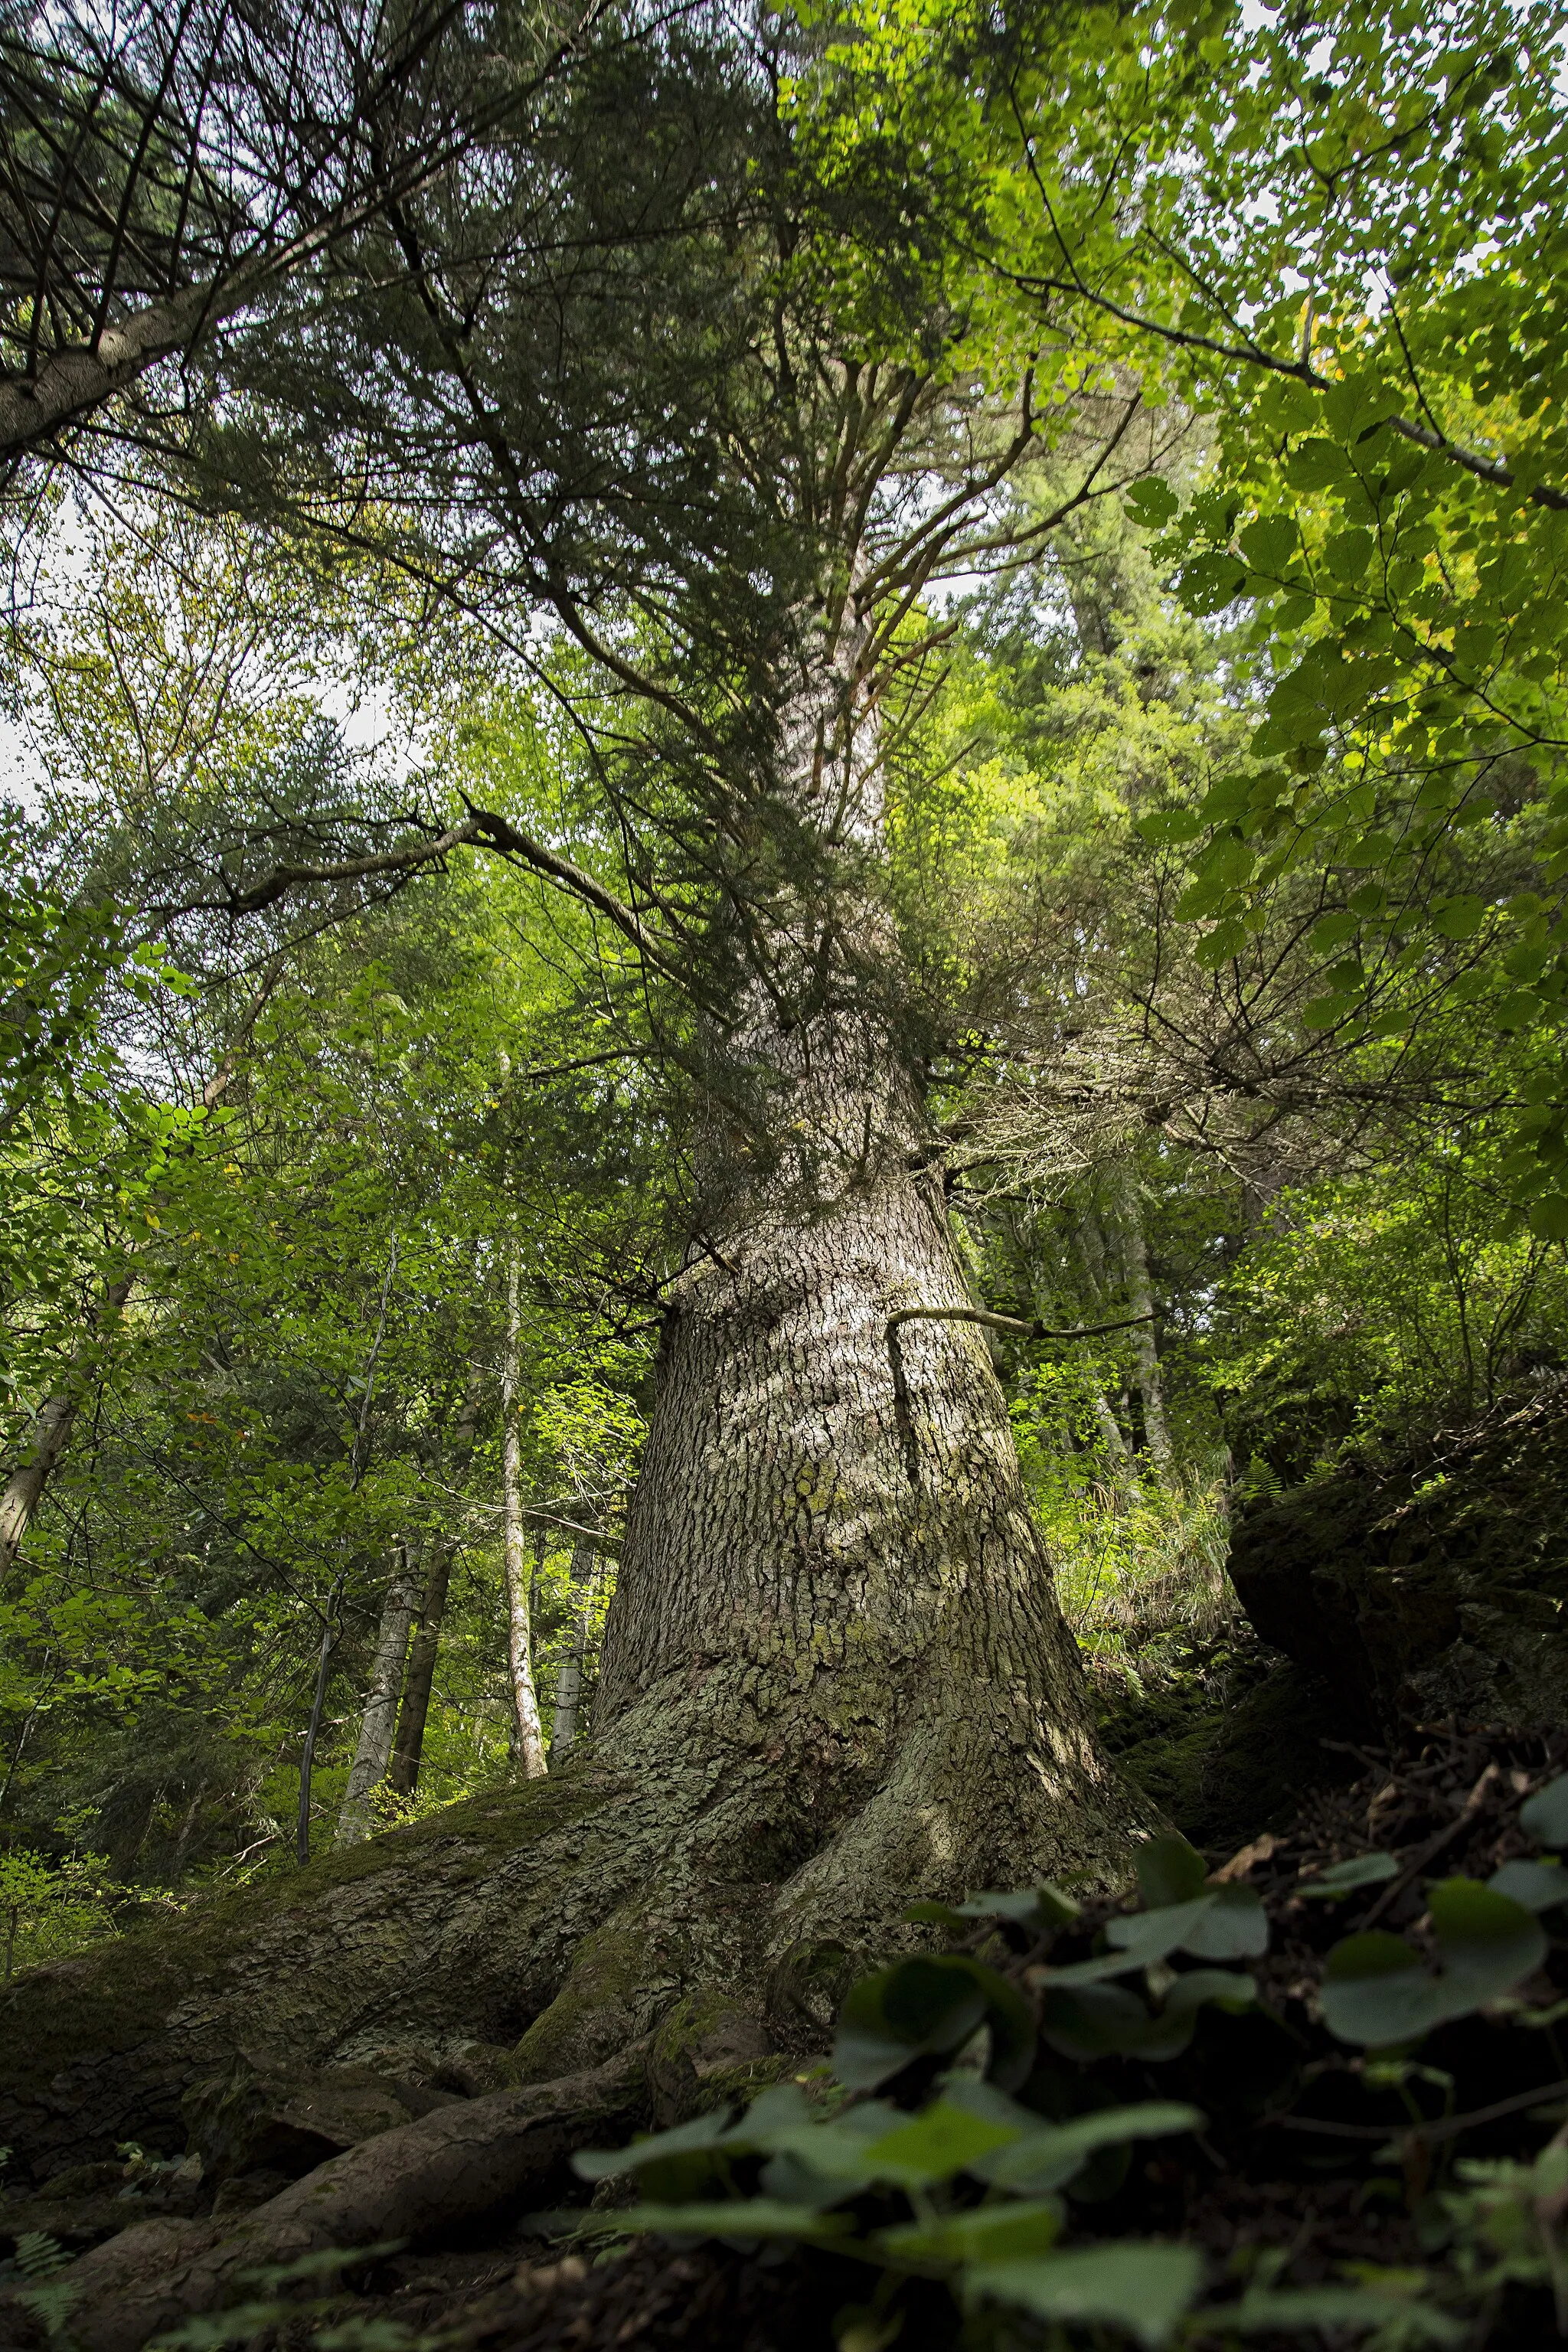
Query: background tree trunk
<point x="568" y="1681"/>
<point x="1145" y="1352"/>
<point x="530" y="1733"/>
<point x="51" y="1431"/>
<point x="402" y="1772"/>
<point x="380" y="1717"/>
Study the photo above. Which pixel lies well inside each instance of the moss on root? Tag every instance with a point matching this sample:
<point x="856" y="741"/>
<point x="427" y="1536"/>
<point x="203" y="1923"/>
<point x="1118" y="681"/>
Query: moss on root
<point x="103" y="2044"/>
<point x="1228" y="1743"/>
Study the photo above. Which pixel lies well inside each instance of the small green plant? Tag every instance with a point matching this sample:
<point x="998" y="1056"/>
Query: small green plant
<point x="984" y="2117"/>
<point x="49" y="1910"/>
<point x="49" y="2297"/>
<point x="274" y="2300"/>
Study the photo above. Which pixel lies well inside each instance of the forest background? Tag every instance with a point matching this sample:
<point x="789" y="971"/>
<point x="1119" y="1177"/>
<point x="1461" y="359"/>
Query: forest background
<point x="1223" y="841"/>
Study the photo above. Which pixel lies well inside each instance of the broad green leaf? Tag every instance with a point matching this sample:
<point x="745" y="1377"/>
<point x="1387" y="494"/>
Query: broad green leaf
<point x="1289" y="2310"/>
<point x="1151" y="502"/>
<point x="1148" y="1936"/>
<point x="1539" y="1885"/>
<point x="1343" y="1878"/>
<point x="1146" y="2289"/>
<point x="1332" y="931"/>
<point x="1375" y="1991"/>
<point x="743" y="2217"/>
<point x="1167" y="825"/>
<point x="1169" y="1870"/>
<point x="1458" y="917"/>
<point x="1544" y="1816"/>
<point x="932" y="2146"/>
<point x="1548" y="1217"/>
<point x="1315" y="465"/>
<point x="1051" y="2155"/>
<point x="702" y="2133"/>
<point x="1035" y="1906"/>
<point x="930" y="2006"/>
<point x="993" y="2233"/>
<point x="1232" y="1925"/>
<point x="1489" y="1942"/>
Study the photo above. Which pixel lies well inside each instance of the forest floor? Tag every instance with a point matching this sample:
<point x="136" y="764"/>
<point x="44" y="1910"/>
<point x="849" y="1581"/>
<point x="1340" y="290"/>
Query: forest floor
<point x="1291" y="2163"/>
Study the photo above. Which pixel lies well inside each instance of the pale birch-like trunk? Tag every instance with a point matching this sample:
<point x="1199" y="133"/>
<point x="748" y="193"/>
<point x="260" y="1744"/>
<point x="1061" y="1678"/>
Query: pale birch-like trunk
<point x="379" y="1720"/>
<point x="568" y="1681"/>
<point x="528" y="1733"/>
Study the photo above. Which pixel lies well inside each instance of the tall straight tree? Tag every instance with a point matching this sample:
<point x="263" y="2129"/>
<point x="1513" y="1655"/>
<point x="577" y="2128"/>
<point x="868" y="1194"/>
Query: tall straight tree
<point x="835" y="1672"/>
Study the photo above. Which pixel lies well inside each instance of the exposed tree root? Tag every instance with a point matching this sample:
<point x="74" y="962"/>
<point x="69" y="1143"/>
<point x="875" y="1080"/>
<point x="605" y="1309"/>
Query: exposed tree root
<point x="448" y="2171"/>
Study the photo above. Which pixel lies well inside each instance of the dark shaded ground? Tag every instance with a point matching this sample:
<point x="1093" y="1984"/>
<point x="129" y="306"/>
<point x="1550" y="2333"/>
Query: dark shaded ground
<point x="1299" y="2154"/>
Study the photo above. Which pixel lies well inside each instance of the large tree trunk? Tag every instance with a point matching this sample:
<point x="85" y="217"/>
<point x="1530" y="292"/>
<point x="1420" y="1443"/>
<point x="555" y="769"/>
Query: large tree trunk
<point x="380" y="1718"/>
<point x="834" y="1674"/>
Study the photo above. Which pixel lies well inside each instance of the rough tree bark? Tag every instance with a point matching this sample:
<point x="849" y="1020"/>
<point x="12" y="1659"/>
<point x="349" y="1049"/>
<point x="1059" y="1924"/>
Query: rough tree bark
<point x="528" y="1730"/>
<point x="379" y="1720"/>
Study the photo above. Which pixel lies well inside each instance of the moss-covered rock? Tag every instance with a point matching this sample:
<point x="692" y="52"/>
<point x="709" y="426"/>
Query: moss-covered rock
<point x="1229" y="1739"/>
<point x="1431" y="1586"/>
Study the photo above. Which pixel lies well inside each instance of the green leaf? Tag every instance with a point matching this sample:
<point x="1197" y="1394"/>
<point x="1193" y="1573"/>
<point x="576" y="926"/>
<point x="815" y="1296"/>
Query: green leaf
<point x="1260" y="2313"/>
<point x="1032" y="1906"/>
<point x="1375" y="1991"/>
<point x="932" y="2146"/>
<point x="1347" y="555"/>
<point x="1169" y="1870"/>
<point x="741" y="2217"/>
<point x="1233" y="1927"/>
<point x="1148" y="1936"/>
<point x="1326" y="1011"/>
<point x="1167" y="825"/>
<point x="1343" y="1878"/>
<point x="1146" y="2289"/>
<point x="1548" y="1217"/>
<point x="1151" y="502"/>
<point x="1210" y="583"/>
<point x="1332" y="931"/>
<point x="1539" y="1885"/>
<point x="1271" y="543"/>
<point x="1051" y="2157"/>
<point x="1314" y="465"/>
<point x="1544" y="1816"/>
<point x="1460" y="917"/>
<point x="1226" y="940"/>
<point x="930" y="2006"/>
<point x="1489" y="1942"/>
<point x="703" y="2133"/>
<point x="994" y="2233"/>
